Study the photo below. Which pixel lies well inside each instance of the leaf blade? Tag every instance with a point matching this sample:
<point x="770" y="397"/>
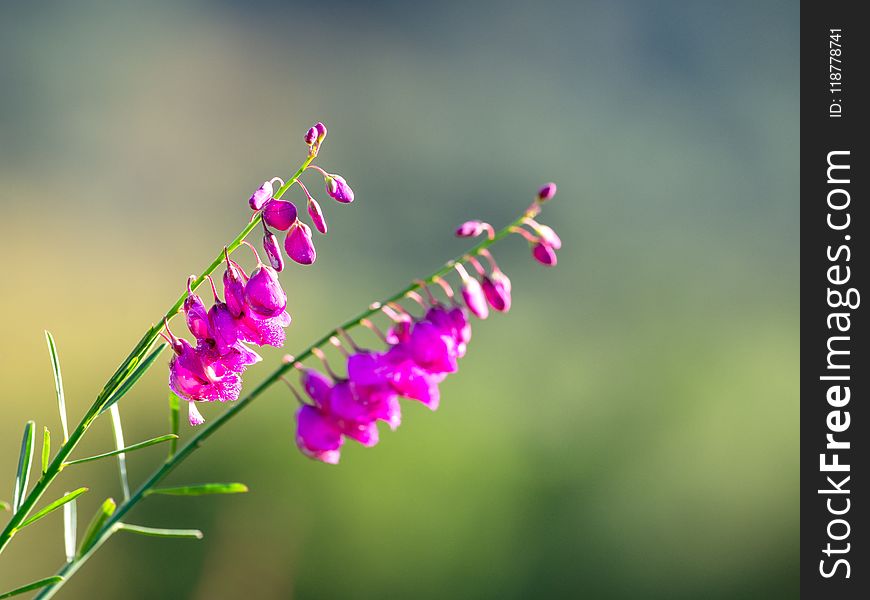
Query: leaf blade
<point x="131" y="379"/>
<point x="70" y="530"/>
<point x="201" y="489"/>
<point x="174" y="420"/>
<point x="46" y="448"/>
<point x="139" y="446"/>
<point x="25" y="460"/>
<point x="53" y="506"/>
<point x="119" y="445"/>
<point x="32" y="586"/>
<point x="58" y="383"/>
<point x="106" y="510"/>
<point x="159" y="532"/>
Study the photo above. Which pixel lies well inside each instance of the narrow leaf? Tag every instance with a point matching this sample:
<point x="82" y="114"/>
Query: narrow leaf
<point x="139" y="446"/>
<point x="25" y="459"/>
<point x="46" y="448"/>
<point x="58" y="383"/>
<point x="70" y="530"/>
<point x="32" y="586"/>
<point x="201" y="490"/>
<point x="4" y="505"/>
<point x="131" y="380"/>
<point x="105" y="511"/>
<point x="174" y="421"/>
<point x="53" y="506"/>
<point x="119" y="444"/>
<point x="170" y="533"/>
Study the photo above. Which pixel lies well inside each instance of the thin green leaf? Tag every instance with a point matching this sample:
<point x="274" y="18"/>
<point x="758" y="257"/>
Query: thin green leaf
<point x="170" y="533"/>
<point x="70" y="530"/>
<point x="58" y="383"/>
<point x="46" y="448"/>
<point x="201" y="490"/>
<point x="139" y="446"/>
<point x="32" y="586"/>
<point x="119" y="445"/>
<point x="4" y="505"/>
<point x="25" y="459"/>
<point x="133" y="378"/>
<point x="105" y="511"/>
<point x="174" y="421"/>
<point x="53" y="506"/>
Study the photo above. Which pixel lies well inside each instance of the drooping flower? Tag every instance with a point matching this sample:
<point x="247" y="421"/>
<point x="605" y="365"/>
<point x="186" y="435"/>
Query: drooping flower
<point x="544" y="254"/>
<point x="316" y="215"/>
<point x="318" y="436"/>
<point x="263" y="293"/>
<point x="194" y="381"/>
<point x="261" y="195"/>
<point x="234" y="286"/>
<point x="299" y="245"/>
<point x="497" y="289"/>
<point x="273" y="251"/>
<point x="338" y="189"/>
<point x="472" y="294"/>
<point x="279" y="214"/>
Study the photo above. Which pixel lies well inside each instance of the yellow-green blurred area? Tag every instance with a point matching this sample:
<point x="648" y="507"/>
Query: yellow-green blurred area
<point x="628" y="430"/>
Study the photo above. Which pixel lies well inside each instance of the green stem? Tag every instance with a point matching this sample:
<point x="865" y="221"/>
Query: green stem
<point x="213" y="426"/>
<point x="118" y="377"/>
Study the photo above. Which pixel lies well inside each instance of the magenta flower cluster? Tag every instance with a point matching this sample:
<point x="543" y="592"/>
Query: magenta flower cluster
<point x="421" y="351"/>
<point x="283" y="215"/>
<point x="420" y="354"/>
<point x="253" y="311"/>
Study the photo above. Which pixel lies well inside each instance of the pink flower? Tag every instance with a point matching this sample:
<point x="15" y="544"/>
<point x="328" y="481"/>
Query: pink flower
<point x="472" y="229"/>
<point x="262" y="195"/>
<point x="263" y="293"/>
<point x="316" y="215"/>
<point x="547" y="192"/>
<point x="279" y="214"/>
<point x="544" y="254"/>
<point x="497" y="289"/>
<point x="273" y="251"/>
<point x="338" y="189"/>
<point x="299" y="245"/>
<point x="317" y="435"/>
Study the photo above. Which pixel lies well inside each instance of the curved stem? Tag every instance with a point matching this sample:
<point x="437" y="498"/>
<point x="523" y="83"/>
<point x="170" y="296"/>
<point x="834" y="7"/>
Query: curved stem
<point x="277" y="375"/>
<point x="125" y="369"/>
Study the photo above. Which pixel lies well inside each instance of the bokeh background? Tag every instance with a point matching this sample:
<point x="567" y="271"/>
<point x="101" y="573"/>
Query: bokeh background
<point x="629" y="430"/>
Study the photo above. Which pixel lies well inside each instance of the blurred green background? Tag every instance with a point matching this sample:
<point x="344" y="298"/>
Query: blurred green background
<point x="629" y="430"/>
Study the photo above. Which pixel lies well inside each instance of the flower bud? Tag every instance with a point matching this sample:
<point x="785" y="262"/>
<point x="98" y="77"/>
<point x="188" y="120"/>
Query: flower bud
<point x="298" y="244"/>
<point x="311" y="136"/>
<point x="547" y="192"/>
<point x="264" y="294"/>
<point x="270" y="245"/>
<point x="279" y="214"/>
<point x="321" y="130"/>
<point x="548" y="236"/>
<point x="317" y="436"/>
<point x="316" y="215"/>
<point x="234" y="288"/>
<point x="497" y="289"/>
<point x="471" y="229"/>
<point x="475" y="299"/>
<point x="338" y="189"/>
<point x="262" y="195"/>
<point x="544" y="254"/>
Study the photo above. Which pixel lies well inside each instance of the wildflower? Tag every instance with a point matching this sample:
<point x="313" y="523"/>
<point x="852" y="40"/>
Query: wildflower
<point x="317" y="436"/>
<point x="261" y="195"/>
<point x="316" y="214"/>
<point x="279" y="214"/>
<point x="544" y="254"/>
<point x="338" y="189"/>
<point x="299" y="245"/>
<point x="263" y="293"/>
<point x="472" y="294"/>
<point x="311" y="136"/>
<point x="497" y="289"/>
<point x="547" y="192"/>
<point x="270" y="245"/>
<point x="234" y="286"/>
<point x="473" y="229"/>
